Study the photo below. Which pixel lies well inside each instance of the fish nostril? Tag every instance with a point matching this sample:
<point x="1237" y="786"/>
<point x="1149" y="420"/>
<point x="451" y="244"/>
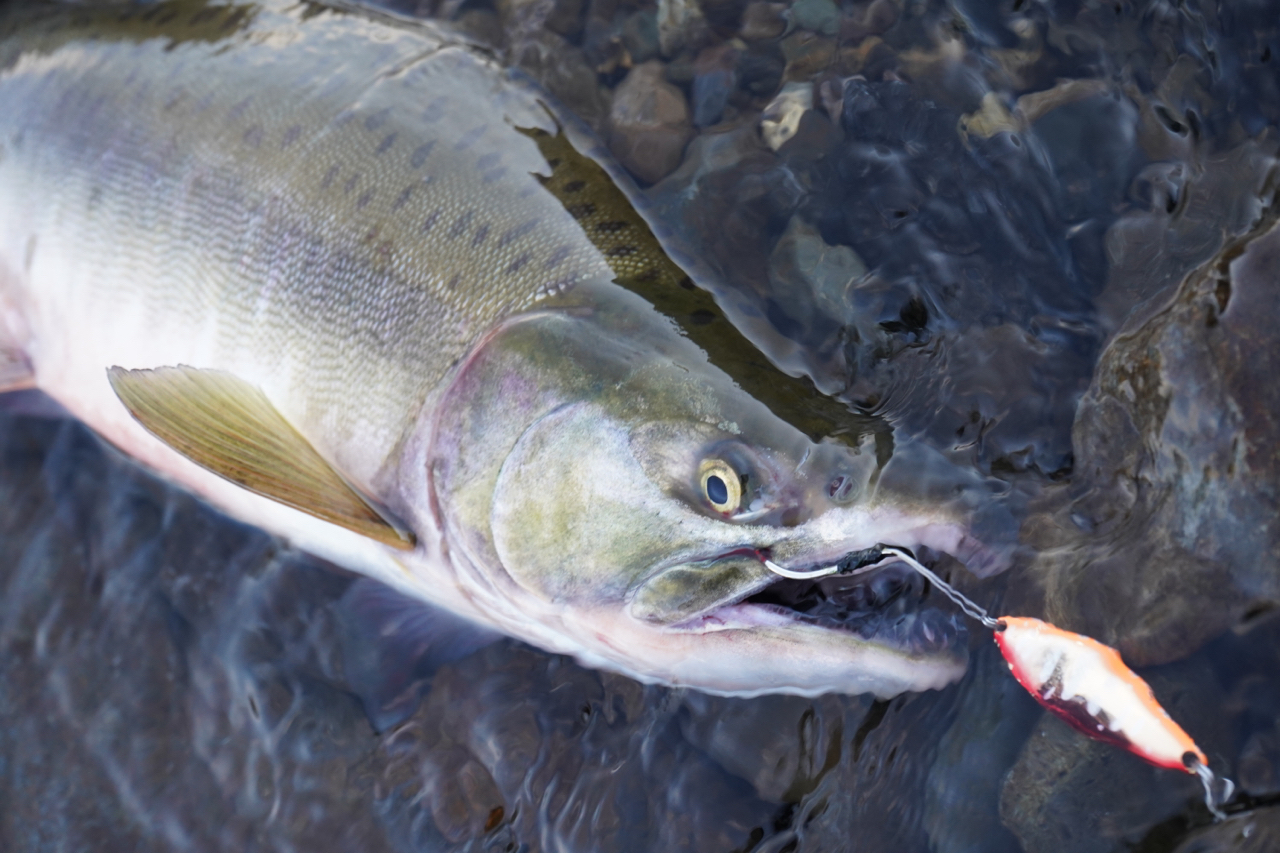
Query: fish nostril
<point x="840" y="488"/>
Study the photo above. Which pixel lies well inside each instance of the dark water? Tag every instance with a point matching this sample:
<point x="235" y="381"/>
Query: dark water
<point x="1040" y="236"/>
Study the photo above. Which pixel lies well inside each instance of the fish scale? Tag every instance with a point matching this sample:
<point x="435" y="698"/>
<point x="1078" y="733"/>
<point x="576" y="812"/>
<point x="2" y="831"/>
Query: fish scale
<point x="419" y="249"/>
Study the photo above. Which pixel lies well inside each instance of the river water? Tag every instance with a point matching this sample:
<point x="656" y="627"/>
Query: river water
<point x="1039" y="236"/>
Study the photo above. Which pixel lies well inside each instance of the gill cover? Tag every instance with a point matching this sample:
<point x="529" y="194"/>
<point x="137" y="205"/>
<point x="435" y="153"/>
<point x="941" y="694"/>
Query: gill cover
<point x="590" y="507"/>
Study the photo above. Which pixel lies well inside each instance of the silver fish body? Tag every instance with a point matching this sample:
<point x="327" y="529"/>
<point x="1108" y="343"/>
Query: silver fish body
<point x="350" y="215"/>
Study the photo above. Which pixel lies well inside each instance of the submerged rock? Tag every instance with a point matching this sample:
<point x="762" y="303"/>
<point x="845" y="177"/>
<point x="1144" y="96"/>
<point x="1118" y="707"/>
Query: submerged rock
<point x="680" y="23"/>
<point x="818" y="16"/>
<point x="1069" y="794"/>
<point x="806" y="271"/>
<point x="640" y="36"/>
<point x="1176" y="531"/>
<point x="714" y="79"/>
<point x="763" y="20"/>
<point x="649" y="123"/>
<point x="757" y="740"/>
<point x="781" y="118"/>
<point x="1254" y="832"/>
<point x="562" y="69"/>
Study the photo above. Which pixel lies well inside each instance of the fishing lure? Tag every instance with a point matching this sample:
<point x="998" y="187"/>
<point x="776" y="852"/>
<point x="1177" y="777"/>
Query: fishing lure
<point x="1074" y="676"/>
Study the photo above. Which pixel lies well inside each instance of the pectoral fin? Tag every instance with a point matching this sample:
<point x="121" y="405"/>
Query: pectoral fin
<point x="228" y="426"/>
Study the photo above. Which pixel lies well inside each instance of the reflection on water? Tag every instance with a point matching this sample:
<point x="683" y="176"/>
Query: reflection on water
<point x="979" y="228"/>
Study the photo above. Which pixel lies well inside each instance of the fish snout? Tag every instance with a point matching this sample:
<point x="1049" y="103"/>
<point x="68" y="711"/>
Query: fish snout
<point x="969" y="517"/>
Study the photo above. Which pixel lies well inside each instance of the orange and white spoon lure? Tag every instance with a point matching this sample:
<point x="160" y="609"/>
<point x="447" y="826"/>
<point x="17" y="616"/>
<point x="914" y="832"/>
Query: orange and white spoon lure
<point x="1078" y="679"/>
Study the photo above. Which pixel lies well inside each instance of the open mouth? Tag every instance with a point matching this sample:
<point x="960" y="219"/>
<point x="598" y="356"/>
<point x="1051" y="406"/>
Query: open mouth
<point x="884" y="604"/>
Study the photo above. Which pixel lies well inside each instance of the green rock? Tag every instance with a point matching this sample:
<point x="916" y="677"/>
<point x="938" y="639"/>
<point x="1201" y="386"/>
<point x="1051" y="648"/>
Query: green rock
<point x="818" y="16"/>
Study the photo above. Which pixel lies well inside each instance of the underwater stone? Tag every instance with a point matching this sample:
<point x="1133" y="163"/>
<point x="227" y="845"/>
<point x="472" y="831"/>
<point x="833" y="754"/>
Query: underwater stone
<point x="1174" y="536"/>
<point x="649" y="123"/>
<point x="563" y="71"/>
<point x="803" y="266"/>
<point x="818" y="16"/>
<point x="640" y="36"/>
<point x="1257" y="831"/>
<point x="781" y="118"/>
<point x="482" y="25"/>
<point x="760" y="70"/>
<point x="1071" y="794"/>
<point x="680" y="23"/>
<point x="523" y="17"/>
<point x="762" y="20"/>
<point x="755" y="740"/>
<point x="807" y="55"/>
<point x="714" y="79"/>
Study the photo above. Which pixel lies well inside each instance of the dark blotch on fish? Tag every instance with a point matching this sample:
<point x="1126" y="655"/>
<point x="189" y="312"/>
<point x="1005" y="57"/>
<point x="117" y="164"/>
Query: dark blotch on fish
<point x="403" y="198"/>
<point x="435" y="110"/>
<point x="421" y="153"/>
<point x="517" y="231"/>
<point x="463" y="223"/>
<point x="378" y="119"/>
<point x="557" y="258"/>
<point x="470" y="138"/>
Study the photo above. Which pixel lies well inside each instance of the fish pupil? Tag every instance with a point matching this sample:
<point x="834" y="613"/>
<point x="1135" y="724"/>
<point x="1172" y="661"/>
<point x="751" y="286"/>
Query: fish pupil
<point x="717" y="491"/>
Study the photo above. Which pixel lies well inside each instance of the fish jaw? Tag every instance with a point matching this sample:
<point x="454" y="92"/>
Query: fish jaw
<point x="749" y="650"/>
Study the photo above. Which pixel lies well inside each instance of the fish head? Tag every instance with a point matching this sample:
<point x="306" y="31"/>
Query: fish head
<point x="605" y="482"/>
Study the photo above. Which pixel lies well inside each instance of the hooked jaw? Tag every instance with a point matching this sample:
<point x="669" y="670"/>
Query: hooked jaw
<point x="753" y="648"/>
<point x="866" y="632"/>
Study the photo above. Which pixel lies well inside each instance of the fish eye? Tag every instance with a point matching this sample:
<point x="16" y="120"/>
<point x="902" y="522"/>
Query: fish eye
<point x="721" y="485"/>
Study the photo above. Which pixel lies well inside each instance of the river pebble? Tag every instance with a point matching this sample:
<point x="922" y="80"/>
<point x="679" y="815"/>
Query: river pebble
<point x="817" y="16"/>
<point x="763" y="20"/>
<point x="649" y="123"/>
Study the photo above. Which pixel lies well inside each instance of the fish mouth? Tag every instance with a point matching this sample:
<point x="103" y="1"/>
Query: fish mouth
<point x="883" y="604"/>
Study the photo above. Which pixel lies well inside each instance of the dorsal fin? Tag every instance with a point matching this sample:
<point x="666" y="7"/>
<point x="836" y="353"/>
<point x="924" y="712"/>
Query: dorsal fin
<point x="228" y="426"/>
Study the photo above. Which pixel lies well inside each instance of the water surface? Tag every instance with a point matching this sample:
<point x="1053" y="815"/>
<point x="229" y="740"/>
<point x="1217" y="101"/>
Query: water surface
<point x="1039" y="236"/>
